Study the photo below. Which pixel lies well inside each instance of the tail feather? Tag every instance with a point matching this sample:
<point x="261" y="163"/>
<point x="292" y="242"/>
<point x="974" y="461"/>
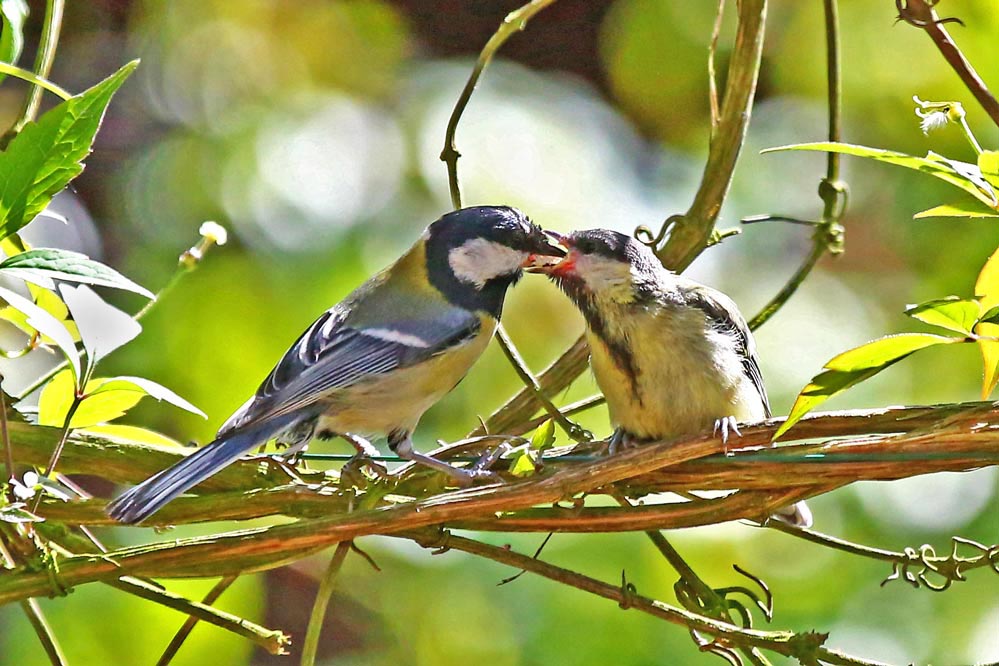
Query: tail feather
<point x="145" y="499"/>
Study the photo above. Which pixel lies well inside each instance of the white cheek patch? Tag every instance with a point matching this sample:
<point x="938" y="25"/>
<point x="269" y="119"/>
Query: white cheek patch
<point x="606" y="277"/>
<point x="398" y="337"/>
<point x="479" y="260"/>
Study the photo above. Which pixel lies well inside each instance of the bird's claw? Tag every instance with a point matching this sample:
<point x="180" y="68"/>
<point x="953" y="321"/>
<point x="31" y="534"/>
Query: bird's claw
<point x="618" y="441"/>
<point x="725" y="425"/>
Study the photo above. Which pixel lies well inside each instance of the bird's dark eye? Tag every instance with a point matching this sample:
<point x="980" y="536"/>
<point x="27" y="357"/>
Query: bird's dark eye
<point x="586" y="245"/>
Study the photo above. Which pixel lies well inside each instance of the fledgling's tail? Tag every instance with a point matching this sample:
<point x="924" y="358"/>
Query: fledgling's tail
<point x="795" y="515"/>
<point x="145" y="499"/>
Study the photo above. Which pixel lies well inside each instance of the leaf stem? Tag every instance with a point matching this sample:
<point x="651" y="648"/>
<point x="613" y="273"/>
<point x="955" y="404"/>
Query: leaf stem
<point x="828" y="234"/>
<point x="31" y="77"/>
<point x="185" y="630"/>
<point x="44" y="59"/>
<point x="323" y="596"/>
<point x="50" y="467"/>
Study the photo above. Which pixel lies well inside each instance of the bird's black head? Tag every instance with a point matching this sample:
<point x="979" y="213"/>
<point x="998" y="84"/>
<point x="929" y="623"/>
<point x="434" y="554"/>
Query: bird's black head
<point x="604" y="266"/>
<point x="475" y="254"/>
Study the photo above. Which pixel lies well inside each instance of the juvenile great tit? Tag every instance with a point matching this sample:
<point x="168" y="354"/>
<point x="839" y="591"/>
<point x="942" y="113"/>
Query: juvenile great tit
<point x="673" y="357"/>
<point x="376" y="361"/>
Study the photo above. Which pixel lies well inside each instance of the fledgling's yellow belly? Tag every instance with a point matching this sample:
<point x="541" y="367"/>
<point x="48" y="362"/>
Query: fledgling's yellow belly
<point x="680" y="388"/>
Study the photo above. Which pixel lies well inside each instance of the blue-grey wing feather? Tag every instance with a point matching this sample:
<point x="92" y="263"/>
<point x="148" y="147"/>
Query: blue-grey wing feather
<point x="333" y="354"/>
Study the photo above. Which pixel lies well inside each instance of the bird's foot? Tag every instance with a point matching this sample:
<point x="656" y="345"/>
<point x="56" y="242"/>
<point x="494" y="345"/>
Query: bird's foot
<point x="366" y="451"/>
<point x="463" y="477"/>
<point x="726" y="425"/>
<point x="283" y="463"/>
<point x="618" y="441"/>
<point x="489" y="457"/>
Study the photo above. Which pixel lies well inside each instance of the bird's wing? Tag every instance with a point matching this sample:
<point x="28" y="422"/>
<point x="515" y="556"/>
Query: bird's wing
<point x="725" y="316"/>
<point x="337" y="351"/>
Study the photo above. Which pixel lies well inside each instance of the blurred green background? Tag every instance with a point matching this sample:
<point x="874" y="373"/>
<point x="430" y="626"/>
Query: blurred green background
<point x="312" y="130"/>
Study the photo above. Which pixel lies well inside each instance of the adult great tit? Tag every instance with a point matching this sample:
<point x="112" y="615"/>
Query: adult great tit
<point x="673" y="357"/>
<point x="376" y="361"/>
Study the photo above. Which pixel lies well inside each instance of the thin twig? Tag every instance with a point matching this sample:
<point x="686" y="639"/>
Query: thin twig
<point x="57" y="451"/>
<point x="828" y="234"/>
<point x="708" y="600"/>
<point x="8" y="452"/>
<point x="43" y="61"/>
<point x="514" y="22"/>
<point x="920" y="13"/>
<point x="323" y="596"/>
<point x="43" y="631"/>
<point x="272" y="640"/>
<point x="36" y="617"/>
<point x="520" y="366"/>
<point x="808" y="645"/>
<point x="191" y="622"/>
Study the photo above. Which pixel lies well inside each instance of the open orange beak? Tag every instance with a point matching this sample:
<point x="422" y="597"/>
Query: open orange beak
<point x="549" y="265"/>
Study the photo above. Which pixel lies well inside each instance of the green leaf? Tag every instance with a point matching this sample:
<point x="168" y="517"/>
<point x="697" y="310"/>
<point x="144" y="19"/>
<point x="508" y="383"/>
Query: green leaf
<point x="58" y="394"/>
<point x="970" y="209"/>
<point x="987" y="291"/>
<point x="44" y="265"/>
<point x="144" y="387"/>
<point x="17" y="513"/>
<point x="952" y="313"/>
<point x="47" y="325"/>
<point x="544" y="436"/>
<point x="45" y="156"/>
<point x="103" y="328"/>
<point x="55" y="399"/>
<point x="13" y="14"/>
<point x="883" y="351"/>
<point x="854" y="366"/>
<point x="523" y="464"/>
<point x="959" y="174"/>
<point x="133" y="434"/>
<point x="988" y="164"/>
<point x="990" y="317"/>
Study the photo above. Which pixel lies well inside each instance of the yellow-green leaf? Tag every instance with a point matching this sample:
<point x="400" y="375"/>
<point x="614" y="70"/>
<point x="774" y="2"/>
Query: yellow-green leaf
<point x="960" y="174"/>
<point x="144" y="387"/>
<point x="987" y="284"/>
<point x="970" y="209"/>
<point x="99" y="404"/>
<point x="952" y="313"/>
<point x="55" y="399"/>
<point x="988" y="164"/>
<point x="544" y="436"/>
<point x="523" y="465"/>
<point x="133" y="434"/>
<point x="878" y="353"/>
<point x="854" y="366"/>
<point x="987" y="290"/>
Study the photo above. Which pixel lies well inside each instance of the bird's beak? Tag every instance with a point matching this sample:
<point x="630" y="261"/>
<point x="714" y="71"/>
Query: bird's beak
<point x="551" y="248"/>
<point x="552" y="263"/>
